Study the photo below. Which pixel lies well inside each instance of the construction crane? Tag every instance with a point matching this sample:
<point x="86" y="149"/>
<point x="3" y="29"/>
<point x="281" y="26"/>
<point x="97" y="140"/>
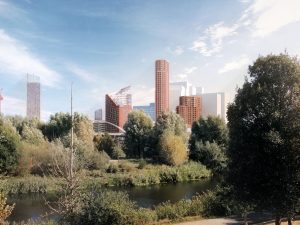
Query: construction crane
<point x="1" y="99"/>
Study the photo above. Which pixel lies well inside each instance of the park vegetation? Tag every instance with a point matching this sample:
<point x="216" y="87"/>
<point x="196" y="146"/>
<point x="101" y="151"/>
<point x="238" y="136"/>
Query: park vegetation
<point x="256" y="155"/>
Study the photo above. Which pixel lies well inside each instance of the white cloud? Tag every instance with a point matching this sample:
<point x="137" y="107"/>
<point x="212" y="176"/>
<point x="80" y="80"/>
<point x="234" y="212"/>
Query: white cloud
<point x="16" y="60"/>
<point x="178" y="50"/>
<point x="269" y="16"/>
<point x="190" y="69"/>
<point x="81" y="73"/>
<point x="186" y="72"/>
<point x="234" y="65"/>
<point x="142" y="95"/>
<point x="212" y="39"/>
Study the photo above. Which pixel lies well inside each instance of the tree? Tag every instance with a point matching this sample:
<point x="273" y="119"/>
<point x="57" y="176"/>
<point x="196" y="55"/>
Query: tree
<point x="9" y="142"/>
<point x="211" y="155"/>
<point x="32" y="135"/>
<point x="168" y="122"/>
<point x="264" y="124"/>
<point x="212" y="129"/>
<point x="208" y="143"/>
<point x="172" y="149"/>
<point x="138" y="130"/>
<point x="105" y="143"/>
<point x="60" y="126"/>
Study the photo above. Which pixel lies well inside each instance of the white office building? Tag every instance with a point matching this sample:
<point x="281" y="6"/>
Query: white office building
<point x="214" y="104"/>
<point x="177" y="89"/>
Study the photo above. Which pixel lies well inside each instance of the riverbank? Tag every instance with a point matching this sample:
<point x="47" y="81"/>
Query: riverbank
<point x="120" y="174"/>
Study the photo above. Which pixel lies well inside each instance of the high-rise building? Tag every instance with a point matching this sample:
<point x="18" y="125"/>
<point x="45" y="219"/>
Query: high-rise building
<point x="189" y="109"/>
<point x="177" y="89"/>
<point x="117" y="107"/>
<point x="161" y="87"/>
<point x="33" y="97"/>
<point x="214" y="104"/>
<point x="148" y="109"/>
<point x="98" y="114"/>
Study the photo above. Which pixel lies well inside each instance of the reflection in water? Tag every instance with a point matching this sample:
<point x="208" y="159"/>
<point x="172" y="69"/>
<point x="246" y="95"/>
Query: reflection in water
<point x="33" y="206"/>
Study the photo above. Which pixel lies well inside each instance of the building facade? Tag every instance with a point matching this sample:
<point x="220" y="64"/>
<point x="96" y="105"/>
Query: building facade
<point x="148" y="109"/>
<point x="214" y="104"/>
<point x="117" y="107"/>
<point x="33" y="97"/>
<point x="98" y="114"/>
<point x="99" y="126"/>
<point x="189" y="109"/>
<point x="177" y="89"/>
<point x="161" y="87"/>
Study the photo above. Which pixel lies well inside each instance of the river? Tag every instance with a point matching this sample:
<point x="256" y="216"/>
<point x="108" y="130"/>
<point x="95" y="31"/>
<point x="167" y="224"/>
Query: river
<point x="33" y="206"/>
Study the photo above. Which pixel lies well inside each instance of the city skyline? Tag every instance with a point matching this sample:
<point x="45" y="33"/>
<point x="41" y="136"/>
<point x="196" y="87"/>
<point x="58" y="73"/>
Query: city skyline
<point x="105" y="49"/>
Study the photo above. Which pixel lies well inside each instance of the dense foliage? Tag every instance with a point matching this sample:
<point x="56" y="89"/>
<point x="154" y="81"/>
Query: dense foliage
<point x="9" y="142"/>
<point x="138" y="129"/>
<point x="172" y="149"/>
<point x="264" y="124"/>
<point x="208" y="143"/>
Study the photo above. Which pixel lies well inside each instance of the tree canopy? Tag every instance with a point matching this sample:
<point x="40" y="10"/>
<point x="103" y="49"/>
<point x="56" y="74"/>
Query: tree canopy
<point x="9" y="142"/>
<point x="138" y="129"/>
<point x="264" y="125"/>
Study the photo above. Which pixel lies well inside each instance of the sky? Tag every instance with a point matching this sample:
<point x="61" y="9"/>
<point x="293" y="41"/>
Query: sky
<point x="104" y="45"/>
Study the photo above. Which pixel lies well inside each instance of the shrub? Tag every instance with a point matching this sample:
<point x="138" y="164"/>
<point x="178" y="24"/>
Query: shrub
<point x="172" y="149"/>
<point x="211" y="155"/>
<point x="142" y="164"/>
<point x="118" y="152"/>
<point x="5" y="210"/>
<point x="9" y="142"/>
<point x="40" y="159"/>
<point x="180" y="209"/>
<point x="102" y="207"/>
<point x="94" y="160"/>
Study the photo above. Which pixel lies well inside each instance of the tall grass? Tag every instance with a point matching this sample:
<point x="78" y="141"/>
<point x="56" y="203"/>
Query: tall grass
<point x="29" y="184"/>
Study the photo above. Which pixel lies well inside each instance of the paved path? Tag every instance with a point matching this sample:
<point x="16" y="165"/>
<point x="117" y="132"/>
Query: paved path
<point x="219" y="221"/>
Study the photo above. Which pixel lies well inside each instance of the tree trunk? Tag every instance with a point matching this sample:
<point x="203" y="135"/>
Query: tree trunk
<point x="278" y="220"/>
<point x="245" y="218"/>
<point x="290" y="221"/>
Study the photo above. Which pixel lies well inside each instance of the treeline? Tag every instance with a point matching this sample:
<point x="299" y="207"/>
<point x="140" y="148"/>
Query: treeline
<point x="28" y="146"/>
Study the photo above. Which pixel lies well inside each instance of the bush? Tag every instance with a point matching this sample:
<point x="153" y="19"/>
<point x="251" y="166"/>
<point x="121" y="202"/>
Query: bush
<point x="95" y="160"/>
<point x="40" y="159"/>
<point x="9" y="142"/>
<point x="211" y="155"/>
<point x="102" y="207"/>
<point x="172" y="149"/>
<point x="5" y="210"/>
<point x="180" y="209"/>
<point x="142" y="164"/>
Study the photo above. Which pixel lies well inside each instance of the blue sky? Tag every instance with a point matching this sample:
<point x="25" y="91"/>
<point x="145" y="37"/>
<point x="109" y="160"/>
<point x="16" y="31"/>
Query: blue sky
<point x="107" y="44"/>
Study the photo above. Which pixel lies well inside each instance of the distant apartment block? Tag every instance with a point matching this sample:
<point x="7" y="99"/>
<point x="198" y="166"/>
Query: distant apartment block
<point x="161" y="87"/>
<point x="99" y="126"/>
<point x="189" y="109"/>
<point x="33" y="97"/>
<point x="177" y="89"/>
<point x="148" y="109"/>
<point x="214" y="104"/>
<point x="117" y="107"/>
<point x="98" y="114"/>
